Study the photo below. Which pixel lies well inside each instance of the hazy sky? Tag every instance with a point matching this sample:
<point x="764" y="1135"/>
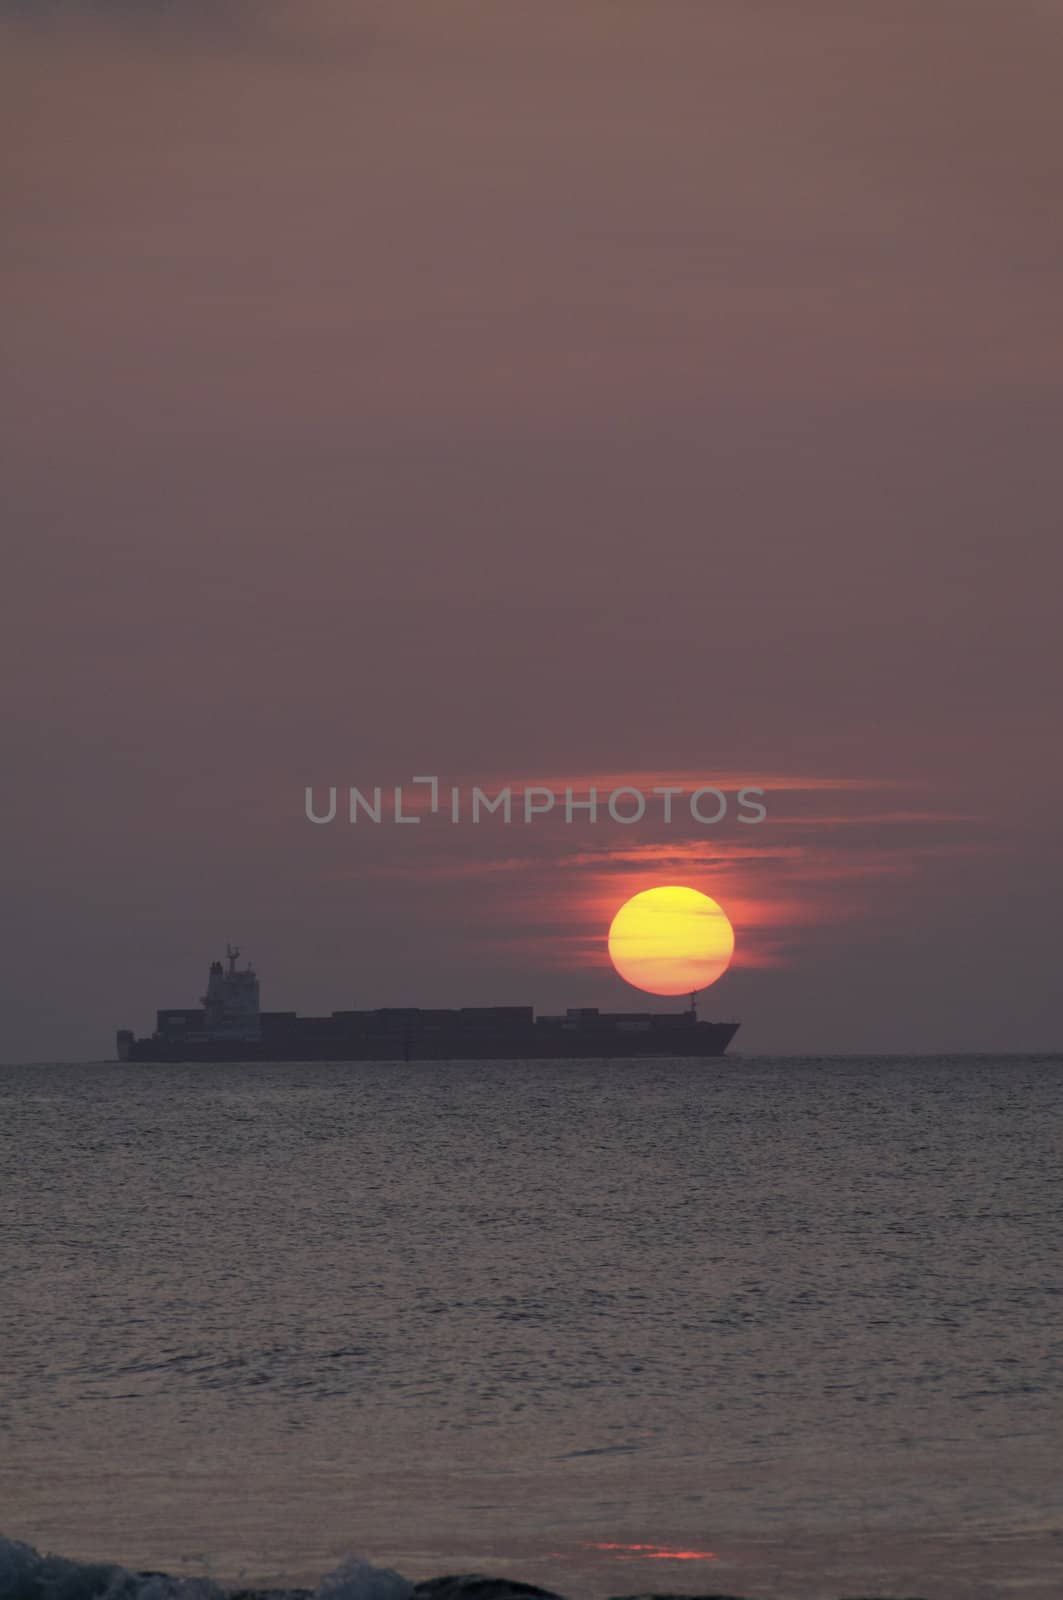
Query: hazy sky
<point x="527" y="391"/>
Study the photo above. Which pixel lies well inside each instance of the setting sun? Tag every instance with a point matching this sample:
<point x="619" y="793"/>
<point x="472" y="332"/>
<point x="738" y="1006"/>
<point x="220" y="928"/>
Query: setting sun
<point x="671" y="940"/>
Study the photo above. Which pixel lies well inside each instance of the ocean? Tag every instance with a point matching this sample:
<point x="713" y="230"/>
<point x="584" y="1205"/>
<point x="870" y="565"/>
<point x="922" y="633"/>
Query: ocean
<point x="766" y="1327"/>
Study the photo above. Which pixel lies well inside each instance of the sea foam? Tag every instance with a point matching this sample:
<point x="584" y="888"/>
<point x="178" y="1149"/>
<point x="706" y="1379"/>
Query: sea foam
<point x="25" y="1574"/>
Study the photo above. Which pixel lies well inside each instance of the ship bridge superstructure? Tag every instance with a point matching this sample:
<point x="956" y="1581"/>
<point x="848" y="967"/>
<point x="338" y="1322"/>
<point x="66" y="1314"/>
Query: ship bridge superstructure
<point x="230" y="1005"/>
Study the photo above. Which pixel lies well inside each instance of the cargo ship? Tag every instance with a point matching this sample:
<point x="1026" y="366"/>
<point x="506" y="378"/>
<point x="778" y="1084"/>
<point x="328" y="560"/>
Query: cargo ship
<point x="229" y="1025"/>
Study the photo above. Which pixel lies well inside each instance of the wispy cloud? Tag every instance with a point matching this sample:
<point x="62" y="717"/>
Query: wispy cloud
<point x="551" y="890"/>
<point x="254" y="27"/>
<point x="215" y="17"/>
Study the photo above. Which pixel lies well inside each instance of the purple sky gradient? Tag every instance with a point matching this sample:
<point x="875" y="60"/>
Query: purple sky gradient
<point x="502" y="391"/>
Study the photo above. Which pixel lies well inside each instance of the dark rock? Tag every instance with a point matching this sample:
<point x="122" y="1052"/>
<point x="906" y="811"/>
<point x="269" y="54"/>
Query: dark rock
<point x="269" y="1594"/>
<point x="713" y="1596"/>
<point x="473" y="1586"/>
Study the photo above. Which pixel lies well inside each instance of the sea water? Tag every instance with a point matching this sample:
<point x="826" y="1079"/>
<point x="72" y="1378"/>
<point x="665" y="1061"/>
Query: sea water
<point x="760" y="1326"/>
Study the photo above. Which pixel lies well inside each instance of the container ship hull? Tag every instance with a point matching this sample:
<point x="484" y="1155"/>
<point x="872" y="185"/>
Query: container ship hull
<point x="230" y="1027"/>
<point x="701" y="1039"/>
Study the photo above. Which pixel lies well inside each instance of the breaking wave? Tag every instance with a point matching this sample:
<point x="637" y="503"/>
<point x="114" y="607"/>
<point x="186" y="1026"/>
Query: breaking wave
<point x="25" y="1574"/>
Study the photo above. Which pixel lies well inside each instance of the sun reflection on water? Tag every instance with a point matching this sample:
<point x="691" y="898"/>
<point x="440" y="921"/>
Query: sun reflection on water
<point x="655" y="1552"/>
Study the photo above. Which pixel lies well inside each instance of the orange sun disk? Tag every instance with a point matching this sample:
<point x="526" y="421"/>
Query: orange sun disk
<point x="671" y="940"/>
